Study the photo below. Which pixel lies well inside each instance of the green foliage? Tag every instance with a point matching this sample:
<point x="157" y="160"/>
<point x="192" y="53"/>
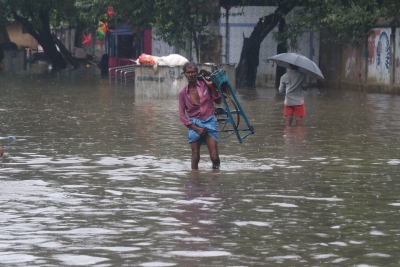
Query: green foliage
<point x="60" y="12"/>
<point x="4" y="14"/>
<point x="137" y="13"/>
<point x="175" y="22"/>
<point x="348" y="20"/>
<point x="230" y="3"/>
<point x="178" y="22"/>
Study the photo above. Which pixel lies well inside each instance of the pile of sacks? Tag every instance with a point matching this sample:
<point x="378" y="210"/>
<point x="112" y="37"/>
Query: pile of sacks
<point x="170" y="60"/>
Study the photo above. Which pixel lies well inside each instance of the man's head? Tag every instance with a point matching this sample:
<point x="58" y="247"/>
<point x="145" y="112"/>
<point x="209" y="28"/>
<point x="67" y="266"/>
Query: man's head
<point x="190" y="65"/>
<point x="190" y="70"/>
<point x="293" y="67"/>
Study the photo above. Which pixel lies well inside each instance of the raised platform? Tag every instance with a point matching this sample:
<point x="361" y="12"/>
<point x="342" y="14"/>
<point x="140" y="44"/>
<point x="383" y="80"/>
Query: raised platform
<point x="167" y="81"/>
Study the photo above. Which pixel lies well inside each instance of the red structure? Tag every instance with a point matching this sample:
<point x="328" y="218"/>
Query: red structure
<point x="130" y="46"/>
<point x="147" y="42"/>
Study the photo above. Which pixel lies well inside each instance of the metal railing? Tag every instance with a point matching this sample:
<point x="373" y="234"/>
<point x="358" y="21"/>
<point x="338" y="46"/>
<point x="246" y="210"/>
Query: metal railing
<point x="129" y="74"/>
<point x="121" y="72"/>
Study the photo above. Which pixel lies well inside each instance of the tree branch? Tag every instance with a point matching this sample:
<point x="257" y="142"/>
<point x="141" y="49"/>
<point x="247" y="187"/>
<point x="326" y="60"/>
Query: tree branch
<point x="28" y="25"/>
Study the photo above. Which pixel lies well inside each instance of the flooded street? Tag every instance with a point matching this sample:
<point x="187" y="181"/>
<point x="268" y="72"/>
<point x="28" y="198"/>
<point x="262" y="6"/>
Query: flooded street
<point x="97" y="177"/>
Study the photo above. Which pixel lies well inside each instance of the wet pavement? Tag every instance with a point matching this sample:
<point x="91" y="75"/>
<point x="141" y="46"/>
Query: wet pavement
<point x="98" y="177"/>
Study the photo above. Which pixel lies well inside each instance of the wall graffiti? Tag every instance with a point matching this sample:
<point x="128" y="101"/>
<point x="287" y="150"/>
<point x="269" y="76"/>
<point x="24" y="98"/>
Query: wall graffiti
<point x="383" y="52"/>
<point x="379" y="55"/>
<point x="150" y="79"/>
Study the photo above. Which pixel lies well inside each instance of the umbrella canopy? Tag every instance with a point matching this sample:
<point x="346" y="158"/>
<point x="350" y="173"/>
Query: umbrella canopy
<point x="305" y="64"/>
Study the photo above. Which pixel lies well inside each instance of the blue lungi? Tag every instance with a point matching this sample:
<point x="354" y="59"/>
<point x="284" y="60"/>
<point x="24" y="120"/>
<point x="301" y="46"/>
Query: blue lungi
<point x="209" y="124"/>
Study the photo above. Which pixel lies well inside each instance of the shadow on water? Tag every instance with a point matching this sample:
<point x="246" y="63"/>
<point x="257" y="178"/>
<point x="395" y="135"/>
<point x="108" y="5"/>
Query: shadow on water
<point x="99" y="177"/>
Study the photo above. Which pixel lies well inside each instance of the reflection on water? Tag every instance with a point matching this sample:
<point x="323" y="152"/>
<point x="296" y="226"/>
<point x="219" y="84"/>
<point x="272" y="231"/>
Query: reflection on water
<point x="98" y="177"/>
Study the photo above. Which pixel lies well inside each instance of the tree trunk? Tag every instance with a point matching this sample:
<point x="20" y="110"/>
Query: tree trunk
<point x="65" y="52"/>
<point x="44" y="38"/>
<point x="246" y="71"/>
<point x="4" y="34"/>
<point x="50" y="48"/>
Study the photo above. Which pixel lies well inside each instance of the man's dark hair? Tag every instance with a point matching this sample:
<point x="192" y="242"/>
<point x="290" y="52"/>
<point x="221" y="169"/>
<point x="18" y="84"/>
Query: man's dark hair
<point x="190" y="65"/>
<point x="293" y="67"/>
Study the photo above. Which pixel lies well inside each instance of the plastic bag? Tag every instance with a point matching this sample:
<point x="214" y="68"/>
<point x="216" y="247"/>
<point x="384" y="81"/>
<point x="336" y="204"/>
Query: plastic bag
<point x="147" y="59"/>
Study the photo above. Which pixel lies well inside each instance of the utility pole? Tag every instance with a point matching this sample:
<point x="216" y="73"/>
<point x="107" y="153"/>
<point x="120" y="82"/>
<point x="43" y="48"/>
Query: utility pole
<point x="116" y="42"/>
<point x="227" y="35"/>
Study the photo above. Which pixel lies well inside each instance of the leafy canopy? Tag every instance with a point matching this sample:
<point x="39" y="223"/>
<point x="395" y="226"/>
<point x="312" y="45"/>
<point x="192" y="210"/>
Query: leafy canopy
<point x="177" y="22"/>
<point x="348" y="20"/>
<point x="60" y="11"/>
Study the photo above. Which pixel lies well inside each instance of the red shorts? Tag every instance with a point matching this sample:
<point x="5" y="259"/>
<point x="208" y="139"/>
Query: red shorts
<point x="298" y="111"/>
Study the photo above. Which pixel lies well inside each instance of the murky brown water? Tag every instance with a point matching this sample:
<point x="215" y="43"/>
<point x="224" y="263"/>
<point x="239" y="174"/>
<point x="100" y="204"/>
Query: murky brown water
<point x="96" y="177"/>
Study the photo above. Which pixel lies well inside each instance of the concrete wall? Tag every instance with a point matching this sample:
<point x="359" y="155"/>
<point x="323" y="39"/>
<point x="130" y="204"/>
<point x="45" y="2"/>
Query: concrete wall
<point x="243" y="25"/>
<point x="330" y="61"/>
<point x="354" y="68"/>
<point x="66" y="36"/>
<point x="14" y="60"/>
<point x="21" y="39"/>
<point x="372" y="66"/>
<point x="165" y="84"/>
<point x="241" y="22"/>
<point x="168" y="80"/>
<point x="379" y="54"/>
<point x="240" y="26"/>
<point x="25" y="40"/>
<point x="396" y="61"/>
<point x="159" y="48"/>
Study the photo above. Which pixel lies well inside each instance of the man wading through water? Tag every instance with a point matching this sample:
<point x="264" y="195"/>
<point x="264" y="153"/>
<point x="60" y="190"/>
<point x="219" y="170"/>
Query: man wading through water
<point x="293" y="83"/>
<point x="196" y="112"/>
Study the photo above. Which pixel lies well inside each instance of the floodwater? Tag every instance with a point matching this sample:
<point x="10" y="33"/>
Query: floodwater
<point x="97" y="177"/>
